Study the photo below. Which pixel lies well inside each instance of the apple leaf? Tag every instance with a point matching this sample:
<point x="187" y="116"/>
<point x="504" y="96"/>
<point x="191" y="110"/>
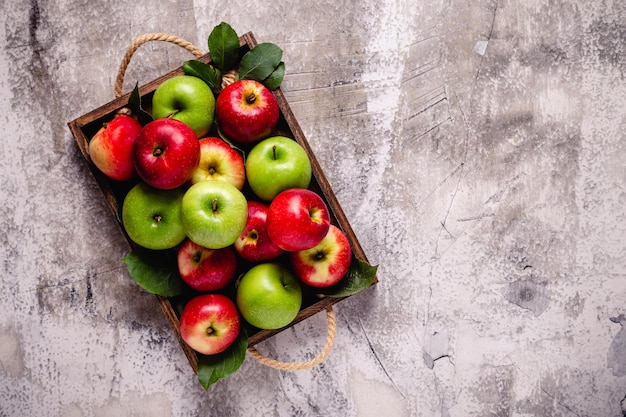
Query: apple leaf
<point x="211" y="76"/>
<point x="276" y="77"/>
<point x="228" y="140"/>
<point x="215" y="367"/>
<point x="360" y="276"/>
<point x="260" y="62"/>
<point x="155" y="271"/>
<point x="224" y="46"/>
<point x="134" y="104"/>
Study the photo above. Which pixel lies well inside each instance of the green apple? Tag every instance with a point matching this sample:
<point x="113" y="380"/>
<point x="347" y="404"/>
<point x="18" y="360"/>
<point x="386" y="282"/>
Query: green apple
<point x="269" y="296"/>
<point x="214" y="213"/>
<point x="276" y="164"/>
<point x="152" y="217"/>
<point x="185" y="98"/>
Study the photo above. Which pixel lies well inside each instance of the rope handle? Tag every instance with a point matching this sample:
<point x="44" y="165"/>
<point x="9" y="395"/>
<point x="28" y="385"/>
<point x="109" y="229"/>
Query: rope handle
<point x="148" y="37"/>
<point x="296" y="366"/>
<point x="228" y="78"/>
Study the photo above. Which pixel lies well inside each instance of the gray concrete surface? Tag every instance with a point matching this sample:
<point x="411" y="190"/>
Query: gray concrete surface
<point x="476" y="147"/>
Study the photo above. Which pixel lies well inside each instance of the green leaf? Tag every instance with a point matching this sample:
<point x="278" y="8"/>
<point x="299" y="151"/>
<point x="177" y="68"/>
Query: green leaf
<point x="260" y="62"/>
<point x="275" y="78"/>
<point x="215" y="367"/>
<point x="155" y="271"/>
<point x="360" y="277"/>
<point x="224" y="46"/>
<point x="211" y="76"/>
<point x="134" y="104"/>
<point x="232" y="144"/>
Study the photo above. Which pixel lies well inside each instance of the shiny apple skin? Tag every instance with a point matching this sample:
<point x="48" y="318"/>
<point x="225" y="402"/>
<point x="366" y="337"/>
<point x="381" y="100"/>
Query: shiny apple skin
<point x="221" y="162"/>
<point x="205" y="269"/>
<point x="166" y="153"/>
<point x="246" y="111"/>
<point x="326" y="263"/>
<point x="111" y="148"/>
<point x="254" y="244"/>
<point x="210" y="323"/>
<point x="298" y="219"/>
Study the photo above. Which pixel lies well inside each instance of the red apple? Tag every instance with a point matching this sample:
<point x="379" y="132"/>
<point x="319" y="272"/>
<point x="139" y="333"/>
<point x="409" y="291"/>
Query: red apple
<point x="326" y="263"/>
<point x="166" y="153"/>
<point x="206" y="269"/>
<point x="111" y="148"/>
<point x="209" y="323"/>
<point x="219" y="161"/>
<point x="246" y="111"/>
<point x="254" y="245"/>
<point x="298" y="219"/>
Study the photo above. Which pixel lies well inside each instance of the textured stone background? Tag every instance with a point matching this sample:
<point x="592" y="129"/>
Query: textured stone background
<point x="476" y="147"/>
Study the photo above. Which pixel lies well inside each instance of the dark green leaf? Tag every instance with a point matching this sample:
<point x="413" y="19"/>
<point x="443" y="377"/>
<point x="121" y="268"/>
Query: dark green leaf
<point x="228" y="140"/>
<point x="273" y="81"/>
<point x="134" y="104"/>
<point x="224" y="46"/>
<point x="134" y="100"/>
<point x="155" y="271"/>
<point x="259" y="62"/>
<point x="211" y="76"/>
<point x="215" y="367"/>
<point x="223" y="136"/>
<point x="360" y="277"/>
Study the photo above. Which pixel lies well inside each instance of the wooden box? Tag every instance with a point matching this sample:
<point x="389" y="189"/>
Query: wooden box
<point x="84" y="127"/>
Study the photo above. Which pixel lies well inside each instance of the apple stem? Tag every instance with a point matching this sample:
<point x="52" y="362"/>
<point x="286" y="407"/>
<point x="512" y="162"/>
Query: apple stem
<point x="251" y="98"/>
<point x="274" y="151"/>
<point x="214" y="207"/>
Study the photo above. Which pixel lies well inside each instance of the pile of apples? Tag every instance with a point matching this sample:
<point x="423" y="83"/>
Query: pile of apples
<point x="220" y="209"/>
